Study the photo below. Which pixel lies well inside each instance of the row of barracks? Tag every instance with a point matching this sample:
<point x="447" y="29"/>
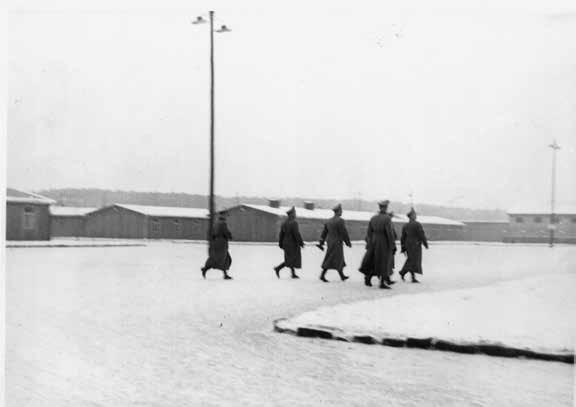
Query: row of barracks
<point x="33" y="217"/>
<point x="30" y="216"/>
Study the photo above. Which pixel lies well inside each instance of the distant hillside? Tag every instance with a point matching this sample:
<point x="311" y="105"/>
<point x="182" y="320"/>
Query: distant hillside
<point x="92" y="197"/>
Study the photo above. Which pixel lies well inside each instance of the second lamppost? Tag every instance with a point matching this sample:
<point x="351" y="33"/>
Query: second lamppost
<point x="553" y="221"/>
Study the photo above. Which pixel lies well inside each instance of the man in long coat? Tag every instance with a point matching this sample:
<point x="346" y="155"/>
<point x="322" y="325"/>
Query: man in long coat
<point x="218" y="255"/>
<point x="412" y="240"/>
<point x="335" y="235"/>
<point x="291" y="242"/>
<point x="380" y="248"/>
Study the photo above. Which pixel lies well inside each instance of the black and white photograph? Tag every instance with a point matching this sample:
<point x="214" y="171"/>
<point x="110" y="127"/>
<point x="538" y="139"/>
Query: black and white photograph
<point x="308" y="203"/>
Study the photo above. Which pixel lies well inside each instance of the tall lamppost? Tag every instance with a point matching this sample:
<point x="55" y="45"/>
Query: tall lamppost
<point x="222" y="29"/>
<point x="552" y="226"/>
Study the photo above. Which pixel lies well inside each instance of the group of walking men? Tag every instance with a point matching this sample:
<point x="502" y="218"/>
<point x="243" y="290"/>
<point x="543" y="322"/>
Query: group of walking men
<point x="378" y="260"/>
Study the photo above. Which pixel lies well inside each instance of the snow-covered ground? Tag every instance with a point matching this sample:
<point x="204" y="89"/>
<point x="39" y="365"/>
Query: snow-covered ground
<point x="535" y="314"/>
<point x="137" y="326"/>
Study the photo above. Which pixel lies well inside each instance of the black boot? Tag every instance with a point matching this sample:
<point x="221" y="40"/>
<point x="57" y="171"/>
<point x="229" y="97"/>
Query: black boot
<point x="294" y="275"/>
<point x="227" y="277"/>
<point x="277" y="271"/>
<point x="204" y="270"/>
<point x="343" y="277"/>
<point x="383" y="284"/>
<point x="323" y="276"/>
<point x="368" y="281"/>
<point x="402" y="276"/>
<point x="390" y="282"/>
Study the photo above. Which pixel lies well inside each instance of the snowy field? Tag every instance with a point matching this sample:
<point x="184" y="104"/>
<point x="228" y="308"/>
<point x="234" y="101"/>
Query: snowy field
<point x="137" y="326"/>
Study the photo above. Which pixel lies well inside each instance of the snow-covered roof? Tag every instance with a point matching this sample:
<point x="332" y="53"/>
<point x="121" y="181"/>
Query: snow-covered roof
<point x="431" y="220"/>
<point x="558" y="210"/>
<point x="363" y="216"/>
<point x="16" y="195"/>
<point x="166" y="211"/>
<point x="69" y="211"/>
<point x="304" y="213"/>
<point x="484" y="221"/>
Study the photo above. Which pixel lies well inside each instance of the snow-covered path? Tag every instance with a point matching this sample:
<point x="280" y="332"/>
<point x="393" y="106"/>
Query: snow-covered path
<point x="137" y="326"/>
<point x="533" y="314"/>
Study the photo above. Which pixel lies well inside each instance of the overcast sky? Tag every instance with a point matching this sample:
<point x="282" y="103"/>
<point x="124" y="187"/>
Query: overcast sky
<point x="454" y="102"/>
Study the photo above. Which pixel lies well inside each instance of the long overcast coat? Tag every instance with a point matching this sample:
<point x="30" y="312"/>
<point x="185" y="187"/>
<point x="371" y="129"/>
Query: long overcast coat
<point x="334" y="234"/>
<point x="218" y="255"/>
<point x="380" y="247"/>
<point x="412" y="240"/>
<point x="291" y="241"/>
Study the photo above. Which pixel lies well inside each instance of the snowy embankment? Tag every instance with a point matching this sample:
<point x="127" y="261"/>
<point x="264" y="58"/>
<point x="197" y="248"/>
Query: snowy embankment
<point x="527" y="318"/>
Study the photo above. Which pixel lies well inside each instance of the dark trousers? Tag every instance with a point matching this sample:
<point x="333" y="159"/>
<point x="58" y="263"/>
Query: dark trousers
<point x="340" y="272"/>
<point x="282" y="265"/>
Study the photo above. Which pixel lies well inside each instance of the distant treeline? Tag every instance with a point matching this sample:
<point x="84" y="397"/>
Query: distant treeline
<point x="92" y="197"/>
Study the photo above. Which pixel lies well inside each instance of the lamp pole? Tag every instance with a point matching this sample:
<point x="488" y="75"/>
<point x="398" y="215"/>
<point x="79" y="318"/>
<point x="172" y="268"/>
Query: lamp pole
<point x="222" y="29"/>
<point x="211" y="198"/>
<point x="552" y="226"/>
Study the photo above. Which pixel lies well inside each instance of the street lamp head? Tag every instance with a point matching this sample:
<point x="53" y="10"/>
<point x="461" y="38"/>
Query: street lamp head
<point x="199" y="20"/>
<point x="554" y="146"/>
<point x="223" y="29"/>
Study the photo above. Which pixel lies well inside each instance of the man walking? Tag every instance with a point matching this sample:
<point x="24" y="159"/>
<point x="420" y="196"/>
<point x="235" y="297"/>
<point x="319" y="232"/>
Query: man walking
<point x="412" y="240"/>
<point x="334" y="234"/>
<point x="380" y="248"/>
<point x="291" y="242"/>
<point x="218" y="256"/>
